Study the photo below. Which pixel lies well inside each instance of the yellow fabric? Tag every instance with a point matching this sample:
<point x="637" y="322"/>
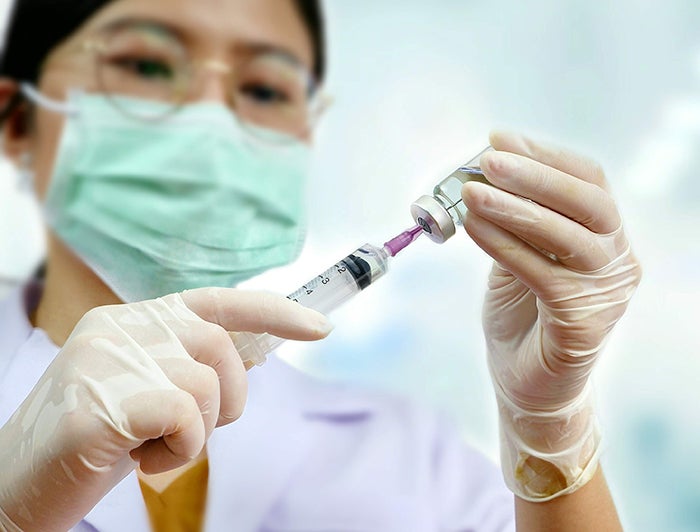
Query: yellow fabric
<point x="180" y="507"/>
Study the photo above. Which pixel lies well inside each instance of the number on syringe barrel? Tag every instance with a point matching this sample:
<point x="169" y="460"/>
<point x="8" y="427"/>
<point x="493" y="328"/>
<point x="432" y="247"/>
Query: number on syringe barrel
<point x="322" y="279"/>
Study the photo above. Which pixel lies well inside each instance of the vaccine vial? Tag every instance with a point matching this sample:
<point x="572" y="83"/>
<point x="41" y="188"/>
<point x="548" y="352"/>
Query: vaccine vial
<point x="440" y="214"/>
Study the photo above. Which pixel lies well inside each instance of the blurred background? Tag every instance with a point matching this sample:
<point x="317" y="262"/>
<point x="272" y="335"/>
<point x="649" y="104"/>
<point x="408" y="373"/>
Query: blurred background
<point x="416" y="88"/>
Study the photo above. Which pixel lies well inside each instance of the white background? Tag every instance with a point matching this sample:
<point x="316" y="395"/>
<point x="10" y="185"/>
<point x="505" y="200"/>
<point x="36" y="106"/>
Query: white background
<point x="417" y="85"/>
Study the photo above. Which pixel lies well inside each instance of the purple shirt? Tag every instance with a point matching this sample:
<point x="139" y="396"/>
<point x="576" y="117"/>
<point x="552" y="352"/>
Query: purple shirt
<point x="306" y="455"/>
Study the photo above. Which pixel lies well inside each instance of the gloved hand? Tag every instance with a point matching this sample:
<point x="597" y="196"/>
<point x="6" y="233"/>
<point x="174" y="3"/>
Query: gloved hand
<point x="143" y="383"/>
<point x="563" y="277"/>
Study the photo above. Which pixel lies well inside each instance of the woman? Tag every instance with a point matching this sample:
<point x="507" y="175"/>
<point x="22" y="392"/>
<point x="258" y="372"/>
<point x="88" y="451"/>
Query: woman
<point x="167" y="141"/>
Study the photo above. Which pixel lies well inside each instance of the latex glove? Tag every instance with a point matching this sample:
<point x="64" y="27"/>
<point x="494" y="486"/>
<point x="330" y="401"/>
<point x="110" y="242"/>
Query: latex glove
<point x="143" y="383"/>
<point x="563" y="276"/>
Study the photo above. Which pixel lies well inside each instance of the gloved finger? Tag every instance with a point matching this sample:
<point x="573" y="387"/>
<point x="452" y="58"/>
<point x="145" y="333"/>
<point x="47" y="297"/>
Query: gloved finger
<point x="560" y="158"/>
<point x="205" y="342"/>
<point x="201" y="382"/>
<point x="572" y="244"/>
<point x="210" y="344"/>
<point x="173" y="420"/>
<point x="257" y="312"/>
<point x="574" y="198"/>
<point x="509" y="303"/>
<point x="531" y="267"/>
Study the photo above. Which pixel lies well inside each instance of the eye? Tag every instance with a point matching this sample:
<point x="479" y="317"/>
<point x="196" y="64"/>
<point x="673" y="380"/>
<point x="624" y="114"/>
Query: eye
<point x="146" y="68"/>
<point x="264" y="94"/>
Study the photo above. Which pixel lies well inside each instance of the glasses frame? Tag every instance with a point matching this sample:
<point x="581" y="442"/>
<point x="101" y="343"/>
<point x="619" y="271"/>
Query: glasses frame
<point x="319" y="101"/>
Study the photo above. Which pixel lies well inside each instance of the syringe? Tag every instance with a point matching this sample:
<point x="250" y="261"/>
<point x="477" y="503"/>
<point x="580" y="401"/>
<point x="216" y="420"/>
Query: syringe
<point x="329" y="290"/>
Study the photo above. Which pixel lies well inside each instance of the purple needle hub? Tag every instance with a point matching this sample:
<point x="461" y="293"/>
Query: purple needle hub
<point x="402" y="241"/>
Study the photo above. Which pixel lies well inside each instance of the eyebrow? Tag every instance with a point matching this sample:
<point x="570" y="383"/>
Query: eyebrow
<point x="248" y="48"/>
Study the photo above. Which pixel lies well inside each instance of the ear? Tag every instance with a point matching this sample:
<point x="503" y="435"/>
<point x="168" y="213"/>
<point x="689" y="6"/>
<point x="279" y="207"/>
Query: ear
<point x="15" y="139"/>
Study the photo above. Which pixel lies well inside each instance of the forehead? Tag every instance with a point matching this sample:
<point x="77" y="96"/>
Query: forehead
<point x="211" y="26"/>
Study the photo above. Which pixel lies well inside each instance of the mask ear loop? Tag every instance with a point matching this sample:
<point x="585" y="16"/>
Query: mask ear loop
<point x="35" y="96"/>
<point x="31" y="93"/>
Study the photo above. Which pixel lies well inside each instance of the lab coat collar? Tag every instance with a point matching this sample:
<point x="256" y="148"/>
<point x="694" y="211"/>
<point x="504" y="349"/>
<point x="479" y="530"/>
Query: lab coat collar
<point x="25" y="351"/>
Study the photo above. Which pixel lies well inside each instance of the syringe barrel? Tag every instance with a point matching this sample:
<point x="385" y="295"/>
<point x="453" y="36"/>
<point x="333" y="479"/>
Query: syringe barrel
<point x="440" y="213"/>
<point x="323" y="293"/>
<point x="253" y="347"/>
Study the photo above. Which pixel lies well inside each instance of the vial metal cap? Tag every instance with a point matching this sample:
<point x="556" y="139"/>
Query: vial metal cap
<point x="432" y="216"/>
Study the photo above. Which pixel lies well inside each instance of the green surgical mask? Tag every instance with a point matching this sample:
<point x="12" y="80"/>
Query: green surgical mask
<point x="189" y="201"/>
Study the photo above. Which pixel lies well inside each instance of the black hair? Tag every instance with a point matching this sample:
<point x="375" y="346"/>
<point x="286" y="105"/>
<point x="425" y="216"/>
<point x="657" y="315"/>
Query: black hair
<point x="36" y="27"/>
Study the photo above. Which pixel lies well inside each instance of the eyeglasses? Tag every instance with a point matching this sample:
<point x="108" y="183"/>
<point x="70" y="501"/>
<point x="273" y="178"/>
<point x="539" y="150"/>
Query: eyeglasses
<point x="269" y="90"/>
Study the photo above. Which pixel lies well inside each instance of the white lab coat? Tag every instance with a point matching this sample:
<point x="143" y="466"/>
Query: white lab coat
<point x="306" y="455"/>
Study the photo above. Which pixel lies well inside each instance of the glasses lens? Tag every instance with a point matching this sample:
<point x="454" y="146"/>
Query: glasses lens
<point x="274" y="92"/>
<point x="144" y="62"/>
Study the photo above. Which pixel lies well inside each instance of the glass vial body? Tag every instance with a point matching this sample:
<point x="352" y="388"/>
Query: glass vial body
<point x="440" y="213"/>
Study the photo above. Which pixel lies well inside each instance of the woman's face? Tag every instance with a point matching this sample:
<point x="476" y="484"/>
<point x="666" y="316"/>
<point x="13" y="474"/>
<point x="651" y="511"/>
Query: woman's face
<point x="223" y="34"/>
